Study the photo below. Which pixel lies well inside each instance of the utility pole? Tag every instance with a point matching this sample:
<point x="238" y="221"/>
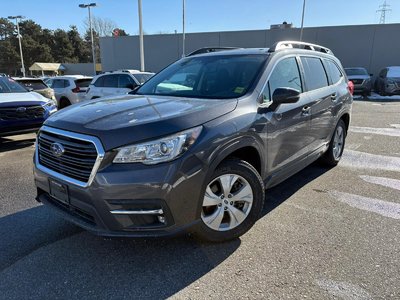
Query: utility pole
<point x="16" y="18"/>
<point x="183" y="28"/>
<point x="141" y="36"/>
<point x="383" y="9"/>
<point x="88" y="6"/>
<point x="302" y="20"/>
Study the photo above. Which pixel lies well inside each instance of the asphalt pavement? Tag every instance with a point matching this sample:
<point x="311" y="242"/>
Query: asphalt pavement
<point x="324" y="234"/>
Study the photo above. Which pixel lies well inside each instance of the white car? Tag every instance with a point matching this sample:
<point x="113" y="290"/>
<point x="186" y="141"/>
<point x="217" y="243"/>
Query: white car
<point x="69" y="89"/>
<point x="116" y="83"/>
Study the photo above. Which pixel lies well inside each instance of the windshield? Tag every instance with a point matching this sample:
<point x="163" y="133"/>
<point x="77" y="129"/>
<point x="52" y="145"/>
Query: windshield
<point x="355" y="71"/>
<point x="218" y="76"/>
<point x="34" y="84"/>
<point x="142" y="78"/>
<point x="393" y="72"/>
<point x="9" y="85"/>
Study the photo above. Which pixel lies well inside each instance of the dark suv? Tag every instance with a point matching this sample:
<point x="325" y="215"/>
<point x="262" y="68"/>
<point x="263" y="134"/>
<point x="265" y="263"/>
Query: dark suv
<point x="197" y="145"/>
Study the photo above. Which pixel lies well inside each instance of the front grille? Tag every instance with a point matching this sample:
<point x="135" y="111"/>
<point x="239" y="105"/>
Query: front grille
<point x="357" y="81"/>
<point x="21" y="113"/>
<point x="76" y="162"/>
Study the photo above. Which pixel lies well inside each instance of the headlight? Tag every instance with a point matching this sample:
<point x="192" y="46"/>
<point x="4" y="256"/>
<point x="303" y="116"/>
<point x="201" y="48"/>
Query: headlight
<point x="158" y="151"/>
<point x="50" y="103"/>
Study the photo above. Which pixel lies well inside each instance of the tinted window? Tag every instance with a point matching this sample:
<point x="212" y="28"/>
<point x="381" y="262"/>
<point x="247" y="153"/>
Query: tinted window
<point x="315" y="75"/>
<point x="99" y="81"/>
<point x="57" y="84"/>
<point x="285" y="75"/>
<point x="333" y="71"/>
<point x="83" y="83"/>
<point x="8" y="85"/>
<point x="110" y="81"/>
<point x="217" y="77"/>
<point x="355" y="71"/>
<point x="125" y="81"/>
<point x="33" y="84"/>
<point x="66" y="83"/>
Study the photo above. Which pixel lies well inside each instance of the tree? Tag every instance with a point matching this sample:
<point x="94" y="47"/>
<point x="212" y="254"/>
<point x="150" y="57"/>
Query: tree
<point x="96" y="42"/>
<point x="63" y="50"/>
<point x="81" y="48"/>
<point x="6" y="29"/>
<point x="103" y="26"/>
<point x="9" y="57"/>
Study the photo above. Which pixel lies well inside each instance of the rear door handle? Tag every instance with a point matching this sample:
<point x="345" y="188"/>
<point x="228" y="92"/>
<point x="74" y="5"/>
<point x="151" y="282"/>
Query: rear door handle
<point x="306" y="111"/>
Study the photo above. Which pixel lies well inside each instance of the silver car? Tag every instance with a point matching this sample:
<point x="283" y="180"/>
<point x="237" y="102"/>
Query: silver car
<point x="361" y="80"/>
<point x="69" y="89"/>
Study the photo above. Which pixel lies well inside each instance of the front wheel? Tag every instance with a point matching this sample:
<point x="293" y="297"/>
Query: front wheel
<point x="336" y="146"/>
<point x="232" y="202"/>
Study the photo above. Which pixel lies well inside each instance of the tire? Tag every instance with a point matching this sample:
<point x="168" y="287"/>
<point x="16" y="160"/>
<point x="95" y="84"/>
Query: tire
<point x="236" y="213"/>
<point x="332" y="156"/>
<point x="64" y="102"/>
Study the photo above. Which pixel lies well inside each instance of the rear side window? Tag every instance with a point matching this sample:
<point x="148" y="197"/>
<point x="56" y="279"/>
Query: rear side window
<point x="34" y="84"/>
<point x="334" y="73"/>
<point x="58" y="84"/>
<point x="83" y="83"/>
<point x="125" y="81"/>
<point x="66" y="83"/>
<point x="111" y="81"/>
<point x="314" y="72"/>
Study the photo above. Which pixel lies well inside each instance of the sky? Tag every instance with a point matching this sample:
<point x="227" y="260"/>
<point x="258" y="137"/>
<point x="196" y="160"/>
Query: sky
<point x="165" y="16"/>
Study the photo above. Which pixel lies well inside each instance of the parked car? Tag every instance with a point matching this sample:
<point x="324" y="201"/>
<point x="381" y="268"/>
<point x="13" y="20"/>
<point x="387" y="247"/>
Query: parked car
<point x="22" y="111"/>
<point x="37" y="85"/>
<point x="69" y="89"/>
<point x="195" y="158"/>
<point x="116" y="83"/>
<point x="361" y="80"/>
<point x="388" y="81"/>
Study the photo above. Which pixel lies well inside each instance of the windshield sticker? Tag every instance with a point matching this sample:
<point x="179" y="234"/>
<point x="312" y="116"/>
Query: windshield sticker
<point x="239" y="90"/>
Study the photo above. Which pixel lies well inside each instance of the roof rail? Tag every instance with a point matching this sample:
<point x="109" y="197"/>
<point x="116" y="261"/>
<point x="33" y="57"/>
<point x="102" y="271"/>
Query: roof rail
<point x="211" y="49"/>
<point x="299" y="45"/>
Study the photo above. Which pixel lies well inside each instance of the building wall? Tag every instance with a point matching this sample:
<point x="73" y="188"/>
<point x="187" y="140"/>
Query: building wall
<point x="79" y="69"/>
<point x="370" y="46"/>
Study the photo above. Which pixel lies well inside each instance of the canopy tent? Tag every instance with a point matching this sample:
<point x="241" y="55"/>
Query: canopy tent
<point x="53" y="67"/>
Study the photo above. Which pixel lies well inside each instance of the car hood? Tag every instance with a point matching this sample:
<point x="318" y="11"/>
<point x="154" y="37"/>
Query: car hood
<point x="128" y="119"/>
<point x="21" y="99"/>
<point x="358" y="77"/>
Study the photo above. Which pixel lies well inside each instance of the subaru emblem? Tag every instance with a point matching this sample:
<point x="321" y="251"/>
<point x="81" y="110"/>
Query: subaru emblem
<point x="21" y="109"/>
<point x="57" y="149"/>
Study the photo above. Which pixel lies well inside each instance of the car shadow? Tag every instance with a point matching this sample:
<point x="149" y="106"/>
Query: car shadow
<point x="43" y="257"/>
<point x="8" y="144"/>
<point x="281" y="192"/>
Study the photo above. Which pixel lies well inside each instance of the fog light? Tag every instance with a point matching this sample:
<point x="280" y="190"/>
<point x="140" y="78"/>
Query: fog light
<point x="161" y="219"/>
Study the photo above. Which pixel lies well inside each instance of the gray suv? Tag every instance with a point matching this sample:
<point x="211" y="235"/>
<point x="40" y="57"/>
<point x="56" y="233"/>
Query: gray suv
<point x="195" y="147"/>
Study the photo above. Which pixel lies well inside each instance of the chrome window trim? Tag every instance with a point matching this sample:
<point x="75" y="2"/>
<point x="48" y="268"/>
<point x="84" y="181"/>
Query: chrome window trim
<point x="87" y="138"/>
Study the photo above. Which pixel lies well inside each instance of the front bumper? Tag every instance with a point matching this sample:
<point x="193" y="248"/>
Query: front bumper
<point x="173" y="187"/>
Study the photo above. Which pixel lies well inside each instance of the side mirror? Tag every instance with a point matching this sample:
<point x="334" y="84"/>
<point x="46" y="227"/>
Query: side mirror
<point x="134" y="90"/>
<point x="285" y="95"/>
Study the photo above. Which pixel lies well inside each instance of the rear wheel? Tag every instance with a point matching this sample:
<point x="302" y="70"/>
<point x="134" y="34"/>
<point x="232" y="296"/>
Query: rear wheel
<point x="336" y="146"/>
<point x="64" y="102"/>
<point x="232" y="202"/>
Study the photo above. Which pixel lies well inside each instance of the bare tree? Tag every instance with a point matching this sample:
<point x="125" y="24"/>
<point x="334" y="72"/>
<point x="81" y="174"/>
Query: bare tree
<point x="102" y="26"/>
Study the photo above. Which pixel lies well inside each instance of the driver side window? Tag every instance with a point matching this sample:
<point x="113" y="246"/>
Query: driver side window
<point x="286" y="74"/>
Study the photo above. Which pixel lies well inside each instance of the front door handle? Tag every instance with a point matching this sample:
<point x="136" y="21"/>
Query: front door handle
<point x="306" y="111"/>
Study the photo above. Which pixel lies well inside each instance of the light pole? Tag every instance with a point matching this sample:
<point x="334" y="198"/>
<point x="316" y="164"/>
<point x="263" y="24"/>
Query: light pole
<point x="88" y="6"/>
<point x="141" y="36"/>
<point x="16" y="18"/>
<point x="183" y="28"/>
<point x="302" y="20"/>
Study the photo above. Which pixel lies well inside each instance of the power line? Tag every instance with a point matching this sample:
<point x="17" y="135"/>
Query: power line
<point x="383" y="9"/>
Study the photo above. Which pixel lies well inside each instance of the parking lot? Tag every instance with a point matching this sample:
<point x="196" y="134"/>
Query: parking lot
<point x="325" y="233"/>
